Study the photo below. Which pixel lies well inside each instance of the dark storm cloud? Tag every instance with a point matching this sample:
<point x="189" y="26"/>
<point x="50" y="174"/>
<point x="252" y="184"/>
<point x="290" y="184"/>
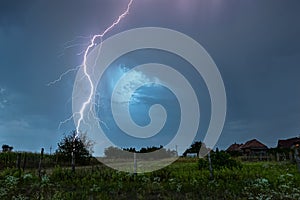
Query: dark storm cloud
<point x="256" y="46"/>
<point x="259" y="58"/>
<point x="12" y="12"/>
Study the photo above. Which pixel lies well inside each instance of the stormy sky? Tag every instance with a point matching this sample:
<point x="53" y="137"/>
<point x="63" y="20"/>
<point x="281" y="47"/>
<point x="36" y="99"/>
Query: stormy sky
<point x="255" y="45"/>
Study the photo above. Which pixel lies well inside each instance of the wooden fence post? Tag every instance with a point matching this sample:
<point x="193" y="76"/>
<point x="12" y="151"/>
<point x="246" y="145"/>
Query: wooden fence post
<point x="210" y="167"/>
<point x="291" y="156"/>
<point x="40" y="163"/>
<point x="297" y="158"/>
<point x="24" y="162"/>
<point x="73" y="158"/>
<point x="6" y="159"/>
<point x="18" y="163"/>
<point x="134" y="164"/>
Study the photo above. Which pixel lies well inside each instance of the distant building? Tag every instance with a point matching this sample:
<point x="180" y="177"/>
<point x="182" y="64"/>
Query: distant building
<point x="288" y="143"/>
<point x="191" y="155"/>
<point x="288" y="148"/>
<point x="254" y="148"/>
<point x="234" y="148"/>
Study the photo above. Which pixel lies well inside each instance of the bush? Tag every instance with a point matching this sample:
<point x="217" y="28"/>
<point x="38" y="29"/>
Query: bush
<point x="219" y="160"/>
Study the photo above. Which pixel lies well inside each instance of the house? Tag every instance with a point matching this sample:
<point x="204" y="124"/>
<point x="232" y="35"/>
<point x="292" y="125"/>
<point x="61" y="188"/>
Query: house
<point x="288" y="148"/>
<point x="254" y="148"/>
<point x="288" y="143"/>
<point x="191" y="155"/>
<point x="234" y="148"/>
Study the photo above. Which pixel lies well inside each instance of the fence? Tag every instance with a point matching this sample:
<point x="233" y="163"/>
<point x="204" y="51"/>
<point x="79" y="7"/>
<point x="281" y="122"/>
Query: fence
<point x="28" y="160"/>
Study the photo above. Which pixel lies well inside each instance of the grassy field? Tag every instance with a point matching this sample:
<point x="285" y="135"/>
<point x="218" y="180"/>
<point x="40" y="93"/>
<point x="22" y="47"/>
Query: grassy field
<point x="181" y="180"/>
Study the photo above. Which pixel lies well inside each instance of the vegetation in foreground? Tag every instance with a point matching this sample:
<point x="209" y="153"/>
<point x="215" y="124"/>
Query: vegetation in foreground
<point x="181" y="180"/>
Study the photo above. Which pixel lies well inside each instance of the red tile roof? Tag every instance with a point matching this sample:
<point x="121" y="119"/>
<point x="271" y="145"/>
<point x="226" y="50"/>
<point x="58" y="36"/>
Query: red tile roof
<point x="288" y="143"/>
<point x="253" y="144"/>
<point x="234" y="147"/>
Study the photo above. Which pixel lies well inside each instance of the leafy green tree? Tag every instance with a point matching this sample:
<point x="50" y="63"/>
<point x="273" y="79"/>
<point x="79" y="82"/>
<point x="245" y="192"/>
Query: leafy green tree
<point x="7" y="148"/>
<point x="157" y="152"/>
<point x="195" y="148"/>
<point x="113" y="152"/>
<point x="80" y="145"/>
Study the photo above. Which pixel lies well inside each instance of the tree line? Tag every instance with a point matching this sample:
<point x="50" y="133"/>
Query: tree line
<point x="156" y="152"/>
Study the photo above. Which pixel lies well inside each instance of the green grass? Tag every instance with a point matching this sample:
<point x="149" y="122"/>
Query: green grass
<point x="181" y="180"/>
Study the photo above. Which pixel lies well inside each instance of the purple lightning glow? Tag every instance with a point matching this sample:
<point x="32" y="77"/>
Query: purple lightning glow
<point x="84" y="64"/>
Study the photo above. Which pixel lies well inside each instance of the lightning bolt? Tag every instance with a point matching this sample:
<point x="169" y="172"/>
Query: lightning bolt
<point x="62" y="75"/>
<point x="84" y="64"/>
<point x="74" y="43"/>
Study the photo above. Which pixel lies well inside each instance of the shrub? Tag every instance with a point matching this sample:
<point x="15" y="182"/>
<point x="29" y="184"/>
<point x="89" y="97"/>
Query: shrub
<point x="219" y="160"/>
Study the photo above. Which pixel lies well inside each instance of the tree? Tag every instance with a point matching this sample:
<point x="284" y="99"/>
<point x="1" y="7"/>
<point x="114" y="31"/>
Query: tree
<point x="82" y="150"/>
<point x="195" y="148"/>
<point x="157" y="152"/>
<point x="6" y="148"/>
<point x="114" y="152"/>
